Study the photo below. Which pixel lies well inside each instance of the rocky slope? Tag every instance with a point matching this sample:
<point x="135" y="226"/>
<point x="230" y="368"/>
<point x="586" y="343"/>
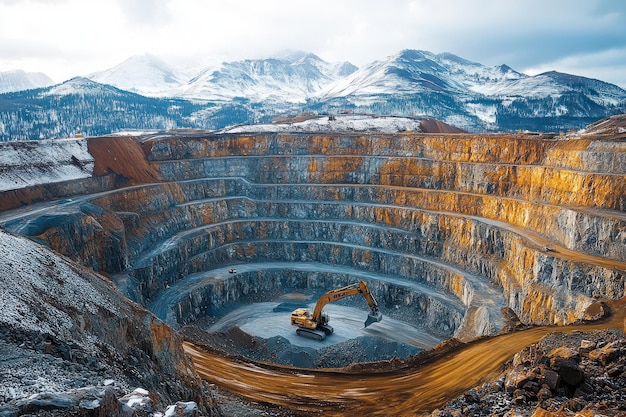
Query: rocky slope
<point x="44" y="162"/>
<point x="613" y="126"/>
<point x="580" y="374"/>
<point x="71" y="342"/>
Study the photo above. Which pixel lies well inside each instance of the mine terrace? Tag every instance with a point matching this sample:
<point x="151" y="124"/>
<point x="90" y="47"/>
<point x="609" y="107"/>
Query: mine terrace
<point x="222" y="236"/>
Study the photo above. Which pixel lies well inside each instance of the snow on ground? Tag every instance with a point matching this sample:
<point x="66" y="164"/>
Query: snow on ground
<point x="486" y="113"/>
<point x="365" y="123"/>
<point x="34" y="281"/>
<point x="181" y="408"/>
<point x="27" y="163"/>
<point x="134" y="132"/>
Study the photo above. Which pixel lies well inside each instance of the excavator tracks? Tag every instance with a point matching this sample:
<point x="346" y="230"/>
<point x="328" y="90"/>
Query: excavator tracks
<point x="311" y="334"/>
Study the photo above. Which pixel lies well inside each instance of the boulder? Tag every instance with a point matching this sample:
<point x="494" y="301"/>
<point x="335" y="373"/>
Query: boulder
<point x="516" y="379"/>
<point x="586" y="346"/>
<point x="595" y="311"/>
<point x="182" y="409"/>
<point x="550" y="378"/>
<point x="605" y="354"/>
<point x="564" y="353"/>
<point x="139" y="399"/>
<point x="544" y="393"/>
<point x="110" y="406"/>
<point x="45" y="401"/>
<point x="8" y="411"/>
<point x="568" y="370"/>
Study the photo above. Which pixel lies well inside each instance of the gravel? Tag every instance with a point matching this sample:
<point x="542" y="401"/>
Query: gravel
<point x="279" y="350"/>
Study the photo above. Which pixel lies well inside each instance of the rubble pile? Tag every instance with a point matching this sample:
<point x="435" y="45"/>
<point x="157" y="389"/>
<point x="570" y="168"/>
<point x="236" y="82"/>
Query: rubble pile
<point x="279" y="350"/>
<point x="578" y="374"/>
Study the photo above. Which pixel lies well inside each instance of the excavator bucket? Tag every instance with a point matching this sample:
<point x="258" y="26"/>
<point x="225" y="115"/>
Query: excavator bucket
<point x="373" y="318"/>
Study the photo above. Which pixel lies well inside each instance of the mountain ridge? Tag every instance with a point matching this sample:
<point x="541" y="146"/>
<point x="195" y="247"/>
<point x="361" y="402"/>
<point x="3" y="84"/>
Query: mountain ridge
<point x="144" y="73"/>
<point x="411" y="83"/>
<point x="18" y="80"/>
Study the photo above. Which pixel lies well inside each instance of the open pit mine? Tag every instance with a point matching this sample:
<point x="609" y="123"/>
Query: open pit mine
<point x="222" y="236"/>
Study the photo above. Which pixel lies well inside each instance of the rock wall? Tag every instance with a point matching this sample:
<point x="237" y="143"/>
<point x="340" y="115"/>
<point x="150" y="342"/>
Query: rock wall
<point x="435" y="314"/>
<point x="51" y="306"/>
<point x="531" y="223"/>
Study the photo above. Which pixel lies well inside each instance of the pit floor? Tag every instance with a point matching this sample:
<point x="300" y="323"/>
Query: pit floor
<point x="270" y="319"/>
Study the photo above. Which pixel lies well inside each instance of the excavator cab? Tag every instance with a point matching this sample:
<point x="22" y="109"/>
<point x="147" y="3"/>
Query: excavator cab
<point x="308" y="326"/>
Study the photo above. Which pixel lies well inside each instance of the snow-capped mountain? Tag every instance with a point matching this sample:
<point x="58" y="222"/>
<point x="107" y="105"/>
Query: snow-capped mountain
<point x="289" y="79"/>
<point x="556" y="84"/>
<point x="84" y="106"/>
<point x="81" y="86"/>
<point x="19" y="80"/>
<point x="292" y="77"/>
<point x="411" y="72"/>
<point x="471" y="95"/>
<point x="144" y="74"/>
<point x="411" y="83"/>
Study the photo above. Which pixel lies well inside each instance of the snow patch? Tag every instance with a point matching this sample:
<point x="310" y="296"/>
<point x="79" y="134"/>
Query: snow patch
<point x="35" y="282"/>
<point x="135" y="132"/>
<point x="28" y="163"/>
<point x="486" y="113"/>
<point x="138" y="399"/>
<point x="359" y="123"/>
<point x="181" y="408"/>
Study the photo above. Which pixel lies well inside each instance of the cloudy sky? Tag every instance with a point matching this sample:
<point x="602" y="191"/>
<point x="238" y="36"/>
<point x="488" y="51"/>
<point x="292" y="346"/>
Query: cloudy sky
<point x="66" y="38"/>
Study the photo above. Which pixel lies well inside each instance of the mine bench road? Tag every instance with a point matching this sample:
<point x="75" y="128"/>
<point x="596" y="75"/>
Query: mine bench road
<point x="537" y="240"/>
<point x="618" y="172"/>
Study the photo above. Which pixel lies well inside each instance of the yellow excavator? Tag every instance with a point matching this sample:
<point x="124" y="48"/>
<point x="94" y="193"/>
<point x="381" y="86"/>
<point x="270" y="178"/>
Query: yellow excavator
<point x="315" y="325"/>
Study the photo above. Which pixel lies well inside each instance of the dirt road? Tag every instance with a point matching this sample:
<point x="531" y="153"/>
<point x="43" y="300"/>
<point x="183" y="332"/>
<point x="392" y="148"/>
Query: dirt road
<point x="407" y="391"/>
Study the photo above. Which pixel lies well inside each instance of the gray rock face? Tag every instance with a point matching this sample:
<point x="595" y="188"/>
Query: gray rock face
<point x="447" y="230"/>
<point x="439" y="225"/>
<point x="64" y="327"/>
<point x="45" y="401"/>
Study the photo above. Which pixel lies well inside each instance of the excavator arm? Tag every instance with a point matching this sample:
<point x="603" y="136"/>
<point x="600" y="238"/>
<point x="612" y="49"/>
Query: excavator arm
<point x="316" y="326"/>
<point x="348" y="291"/>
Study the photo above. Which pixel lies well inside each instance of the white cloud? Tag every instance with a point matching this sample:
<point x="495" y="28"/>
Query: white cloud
<point x="145" y="12"/>
<point x="603" y="65"/>
<point x="75" y="37"/>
